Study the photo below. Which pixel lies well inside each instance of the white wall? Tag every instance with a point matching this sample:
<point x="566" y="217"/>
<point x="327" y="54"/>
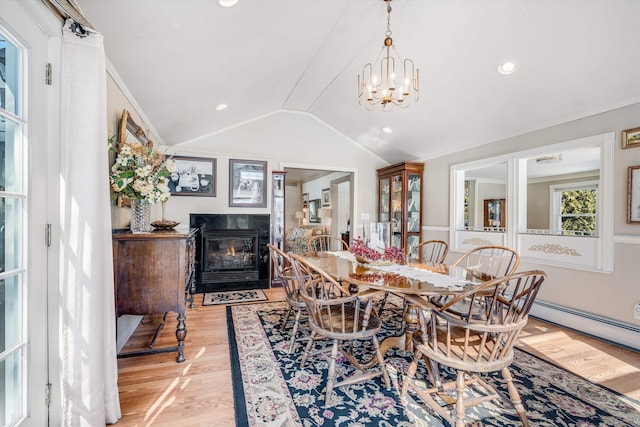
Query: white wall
<point x="608" y="295"/>
<point x="282" y="139"/>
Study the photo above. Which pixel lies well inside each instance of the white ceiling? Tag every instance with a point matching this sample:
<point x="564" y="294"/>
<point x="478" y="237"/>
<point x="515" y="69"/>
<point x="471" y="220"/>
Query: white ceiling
<point x="181" y="58"/>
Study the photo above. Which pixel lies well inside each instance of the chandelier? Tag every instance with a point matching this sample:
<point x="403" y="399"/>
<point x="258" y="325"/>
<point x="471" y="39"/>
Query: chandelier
<point x="380" y="83"/>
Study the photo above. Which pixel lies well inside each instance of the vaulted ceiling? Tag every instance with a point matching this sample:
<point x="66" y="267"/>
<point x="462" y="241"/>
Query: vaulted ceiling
<point x="181" y="58"/>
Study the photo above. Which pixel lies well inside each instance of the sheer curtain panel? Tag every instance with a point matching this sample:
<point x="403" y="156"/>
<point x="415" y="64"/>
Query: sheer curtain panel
<point x="89" y="370"/>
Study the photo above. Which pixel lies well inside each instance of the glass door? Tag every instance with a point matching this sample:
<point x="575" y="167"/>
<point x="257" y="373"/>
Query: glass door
<point x="384" y="200"/>
<point x="396" y="211"/>
<point x="23" y="213"/>
<point x="413" y="210"/>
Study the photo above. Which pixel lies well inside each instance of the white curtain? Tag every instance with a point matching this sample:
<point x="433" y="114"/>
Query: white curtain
<point x="89" y="370"/>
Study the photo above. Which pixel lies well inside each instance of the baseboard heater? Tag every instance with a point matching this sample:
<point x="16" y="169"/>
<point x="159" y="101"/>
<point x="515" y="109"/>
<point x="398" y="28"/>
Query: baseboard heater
<point x="613" y="331"/>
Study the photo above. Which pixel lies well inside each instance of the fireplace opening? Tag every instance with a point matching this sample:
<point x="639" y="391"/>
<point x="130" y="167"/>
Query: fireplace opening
<point x="231" y="251"/>
<point x="230" y="255"/>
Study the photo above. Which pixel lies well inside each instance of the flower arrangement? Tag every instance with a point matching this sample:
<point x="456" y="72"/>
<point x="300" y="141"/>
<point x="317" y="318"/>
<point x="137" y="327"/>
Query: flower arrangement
<point x="140" y="173"/>
<point x="364" y="253"/>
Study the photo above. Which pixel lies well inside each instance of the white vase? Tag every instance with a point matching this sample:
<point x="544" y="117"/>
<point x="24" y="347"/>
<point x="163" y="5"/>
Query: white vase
<point x="140" y="216"/>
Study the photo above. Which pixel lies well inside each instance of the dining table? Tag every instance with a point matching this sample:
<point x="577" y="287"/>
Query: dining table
<point x="415" y="282"/>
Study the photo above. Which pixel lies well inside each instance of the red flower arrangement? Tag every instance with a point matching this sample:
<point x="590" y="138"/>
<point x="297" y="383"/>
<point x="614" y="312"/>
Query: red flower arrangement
<point x="364" y="254"/>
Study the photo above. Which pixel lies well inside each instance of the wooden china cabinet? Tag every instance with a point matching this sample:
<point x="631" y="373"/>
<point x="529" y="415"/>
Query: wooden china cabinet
<point x="399" y="198"/>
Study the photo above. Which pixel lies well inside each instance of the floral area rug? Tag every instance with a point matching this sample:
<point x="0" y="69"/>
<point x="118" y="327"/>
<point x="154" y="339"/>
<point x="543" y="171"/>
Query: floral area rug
<point x="271" y="390"/>
<point x="233" y="297"/>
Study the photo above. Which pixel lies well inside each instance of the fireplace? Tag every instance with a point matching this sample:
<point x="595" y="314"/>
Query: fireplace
<point x="231" y="251"/>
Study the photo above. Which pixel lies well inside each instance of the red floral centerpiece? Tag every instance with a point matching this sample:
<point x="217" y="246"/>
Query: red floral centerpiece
<point x="365" y="255"/>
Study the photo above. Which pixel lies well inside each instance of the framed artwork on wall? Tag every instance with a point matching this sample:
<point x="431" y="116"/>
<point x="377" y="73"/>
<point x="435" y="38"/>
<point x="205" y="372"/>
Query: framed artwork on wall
<point x="305" y="200"/>
<point x="247" y="183"/>
<point x="194" y="176"/>
<point x="326" y="203"/>
<point x="314" y="207"/>
<point x="631" y="138"/>
<point x="633" y="195"/>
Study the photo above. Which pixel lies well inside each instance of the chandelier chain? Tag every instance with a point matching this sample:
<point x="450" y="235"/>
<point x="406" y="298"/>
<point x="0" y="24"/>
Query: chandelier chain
<point x="388" y="33"/>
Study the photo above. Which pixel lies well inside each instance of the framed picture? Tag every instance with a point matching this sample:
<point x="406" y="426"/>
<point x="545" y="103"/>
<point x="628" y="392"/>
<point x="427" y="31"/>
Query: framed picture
<point x="631" y="138"/>
<point x="305" y="200"/>
<point x="633" y="195"/>
<point x="278" y="185"/>
<point x="194" y="176"/>
<point x="314" y="207"/>
<point x="247" y="183"/>
<point x="325" y="198"/>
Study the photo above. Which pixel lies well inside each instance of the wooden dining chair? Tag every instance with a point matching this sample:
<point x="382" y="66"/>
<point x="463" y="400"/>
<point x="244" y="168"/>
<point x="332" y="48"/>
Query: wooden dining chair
<point x="482" y="263"/>
<point x="490" y="261"/>
<point x="429" y="251"/>
<point x="336" y="315"/>
<point x="472" y="345"/>
<point x="325" y="242"/>
<point x="283" y="272"/>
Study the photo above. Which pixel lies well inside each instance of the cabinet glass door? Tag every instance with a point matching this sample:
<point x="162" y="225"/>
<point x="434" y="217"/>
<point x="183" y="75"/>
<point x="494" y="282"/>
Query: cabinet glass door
<point x="396" y="211"/>
<point x="384" y="200"/>
<point x="413" y="204"/>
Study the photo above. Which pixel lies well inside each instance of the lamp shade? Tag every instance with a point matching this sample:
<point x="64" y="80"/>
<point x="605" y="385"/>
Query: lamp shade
<point x="299" y="214"/>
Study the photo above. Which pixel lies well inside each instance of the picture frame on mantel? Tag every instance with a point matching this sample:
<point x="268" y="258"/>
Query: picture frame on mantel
<point x="194" y="176"/>
<point x="631" y="138"/>
<point x="633" y="195"/>
<point x="247" y="183"/>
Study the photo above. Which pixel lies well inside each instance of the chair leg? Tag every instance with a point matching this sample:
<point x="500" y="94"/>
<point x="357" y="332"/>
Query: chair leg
<point x="381" y="363"/>
<point x="307" y="349"/>
<point x="285" y="318"/>
<point x="411" y="372"/>
<point x="294" y="331"/>
<point x="515" y="396"/>
<point x="460" y="410"/>
<point x="331" y="374"/>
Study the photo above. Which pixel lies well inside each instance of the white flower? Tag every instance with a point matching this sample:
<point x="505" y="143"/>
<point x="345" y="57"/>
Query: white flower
<point x="137" y="173"/>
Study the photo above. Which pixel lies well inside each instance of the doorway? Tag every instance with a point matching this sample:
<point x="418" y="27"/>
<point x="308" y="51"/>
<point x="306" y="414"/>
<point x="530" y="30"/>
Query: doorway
<point x="303" y="185"/>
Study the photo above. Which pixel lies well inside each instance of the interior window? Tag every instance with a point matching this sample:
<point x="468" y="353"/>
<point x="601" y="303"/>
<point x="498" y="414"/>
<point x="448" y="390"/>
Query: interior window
<point x="484" y="198"/>
<point x="561" y="192"/>
<point x="553" y="204"/>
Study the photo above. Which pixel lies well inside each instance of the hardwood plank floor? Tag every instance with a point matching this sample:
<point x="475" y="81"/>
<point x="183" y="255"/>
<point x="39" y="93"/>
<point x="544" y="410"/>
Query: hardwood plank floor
<point x="157" y="391"/>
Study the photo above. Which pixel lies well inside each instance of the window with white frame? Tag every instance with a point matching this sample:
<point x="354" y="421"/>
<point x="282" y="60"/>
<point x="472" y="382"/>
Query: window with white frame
<point x="574" y="208"/>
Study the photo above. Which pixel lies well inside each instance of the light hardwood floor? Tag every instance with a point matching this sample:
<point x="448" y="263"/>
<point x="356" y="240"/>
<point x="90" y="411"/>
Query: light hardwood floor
<point x="157" y="391"/>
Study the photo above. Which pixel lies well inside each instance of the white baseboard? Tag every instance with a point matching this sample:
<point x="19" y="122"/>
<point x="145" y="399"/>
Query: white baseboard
<point x="603" y="328"/>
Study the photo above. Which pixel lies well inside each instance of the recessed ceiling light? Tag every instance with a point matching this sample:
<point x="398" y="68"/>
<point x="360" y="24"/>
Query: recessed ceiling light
<point x="387" y="130"/>
<point x="221" y="107"/>
<point x="506" y="68"/>
<point x="227" y="3"/>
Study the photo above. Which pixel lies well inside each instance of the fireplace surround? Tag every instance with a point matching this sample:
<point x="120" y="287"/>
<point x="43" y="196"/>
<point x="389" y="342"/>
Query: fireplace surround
<point x="231" y="251"/>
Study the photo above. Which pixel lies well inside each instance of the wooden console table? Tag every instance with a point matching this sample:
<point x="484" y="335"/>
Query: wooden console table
<point x="153" y="273"/>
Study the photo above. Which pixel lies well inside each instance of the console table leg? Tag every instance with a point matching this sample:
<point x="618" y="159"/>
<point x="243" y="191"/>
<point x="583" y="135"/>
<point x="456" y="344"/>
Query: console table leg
<point x="181" y="334"/>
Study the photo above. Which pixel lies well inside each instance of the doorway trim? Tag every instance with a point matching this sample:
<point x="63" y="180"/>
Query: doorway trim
<point x="353" y="179"/>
